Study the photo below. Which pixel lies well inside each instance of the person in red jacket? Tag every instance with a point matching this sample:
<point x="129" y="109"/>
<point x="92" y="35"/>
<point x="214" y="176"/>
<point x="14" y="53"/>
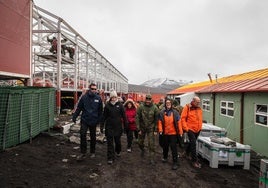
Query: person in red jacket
<point x="191" y="119"/>
<point x="130" y="110"/>
<point x="169" y="127"/>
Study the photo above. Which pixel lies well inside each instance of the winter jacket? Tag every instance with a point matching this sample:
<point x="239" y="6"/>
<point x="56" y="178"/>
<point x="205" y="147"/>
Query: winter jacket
<point x="130" y="115"/>
<point x="91" y="106"/>
<point x="147" y="117"/>
<point x="191" y="118"/>
<point x="169" y="122"/>
<point x="114" y="118"/>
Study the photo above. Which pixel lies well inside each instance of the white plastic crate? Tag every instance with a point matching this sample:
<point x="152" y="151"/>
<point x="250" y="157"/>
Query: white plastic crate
<point x="210" y="130"/>
<point x="221" y="154"/>
<point x="263" y="179"/>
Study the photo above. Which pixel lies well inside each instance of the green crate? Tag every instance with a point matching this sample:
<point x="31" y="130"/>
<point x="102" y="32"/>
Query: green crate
<point x="24" y="113"/>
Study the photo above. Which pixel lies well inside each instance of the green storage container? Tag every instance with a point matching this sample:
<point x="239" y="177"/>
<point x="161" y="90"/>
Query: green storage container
<point x="24" y="113"/>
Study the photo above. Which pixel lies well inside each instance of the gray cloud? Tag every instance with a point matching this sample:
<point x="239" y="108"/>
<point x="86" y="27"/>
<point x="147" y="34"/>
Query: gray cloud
<point x="182" y="40"/>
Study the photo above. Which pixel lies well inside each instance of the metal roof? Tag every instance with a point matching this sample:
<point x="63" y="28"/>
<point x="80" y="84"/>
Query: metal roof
<point x="245" y="82"/>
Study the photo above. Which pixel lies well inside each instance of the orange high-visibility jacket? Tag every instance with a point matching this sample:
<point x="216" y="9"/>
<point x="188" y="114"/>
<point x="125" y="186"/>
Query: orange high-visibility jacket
<point x="168" y="124"/>
<point x="191" y="118"/>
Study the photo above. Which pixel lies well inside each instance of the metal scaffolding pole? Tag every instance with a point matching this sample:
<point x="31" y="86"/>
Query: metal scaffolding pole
<point x="68" y="62"/>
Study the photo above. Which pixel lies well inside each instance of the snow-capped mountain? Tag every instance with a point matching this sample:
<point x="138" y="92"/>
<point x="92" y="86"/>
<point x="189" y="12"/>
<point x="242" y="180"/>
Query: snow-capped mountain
<point x="165" y="83"/>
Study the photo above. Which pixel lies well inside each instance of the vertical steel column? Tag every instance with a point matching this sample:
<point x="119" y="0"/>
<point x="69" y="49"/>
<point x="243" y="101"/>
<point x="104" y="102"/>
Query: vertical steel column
<point x="59" y="76"/>
<point x="87" y="66"/>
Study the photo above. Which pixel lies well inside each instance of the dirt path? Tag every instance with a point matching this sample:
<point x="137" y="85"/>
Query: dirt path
<point x="50" y="162"/>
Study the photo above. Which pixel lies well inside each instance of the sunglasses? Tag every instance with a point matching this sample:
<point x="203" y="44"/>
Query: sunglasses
<point x="93" y="88"/>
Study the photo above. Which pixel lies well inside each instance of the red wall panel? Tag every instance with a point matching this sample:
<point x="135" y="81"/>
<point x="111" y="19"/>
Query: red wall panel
<point x="15" y="37"/>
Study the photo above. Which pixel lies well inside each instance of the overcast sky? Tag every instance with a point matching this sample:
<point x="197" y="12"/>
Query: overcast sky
<point x="177" y="39"/>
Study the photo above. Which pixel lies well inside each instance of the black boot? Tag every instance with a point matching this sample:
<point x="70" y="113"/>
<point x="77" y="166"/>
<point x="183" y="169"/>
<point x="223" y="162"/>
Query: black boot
<point x="175" y="166"/>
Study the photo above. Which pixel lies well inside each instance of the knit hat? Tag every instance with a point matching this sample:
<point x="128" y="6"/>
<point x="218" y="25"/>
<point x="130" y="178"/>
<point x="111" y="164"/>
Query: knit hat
<point x="113" y="94"/>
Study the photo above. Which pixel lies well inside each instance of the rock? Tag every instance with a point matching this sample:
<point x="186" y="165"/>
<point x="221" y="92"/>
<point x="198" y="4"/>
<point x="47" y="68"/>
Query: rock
<point x="74" y="139"/>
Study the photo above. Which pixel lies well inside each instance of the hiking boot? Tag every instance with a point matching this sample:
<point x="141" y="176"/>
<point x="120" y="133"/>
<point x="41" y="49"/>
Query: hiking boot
<point x="81" y="157"/>
<point x="174" y="166"/>
<point x="93" y="155"/>
<point x="110" y="162"/>
<point x="196" y="164"/>
<point x="129" y="150"/>
<point x="117" y="154"/>
<point x="164" y="160"/>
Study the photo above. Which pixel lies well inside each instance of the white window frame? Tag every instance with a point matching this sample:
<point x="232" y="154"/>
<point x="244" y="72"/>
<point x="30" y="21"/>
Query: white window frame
<point x="227" y="108"/>
<point x="206" y="105"/>
<point x="262" y="114"/>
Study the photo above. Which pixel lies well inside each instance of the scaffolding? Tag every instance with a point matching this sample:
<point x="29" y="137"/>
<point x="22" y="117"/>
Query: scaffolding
<point x="63" y="59"/>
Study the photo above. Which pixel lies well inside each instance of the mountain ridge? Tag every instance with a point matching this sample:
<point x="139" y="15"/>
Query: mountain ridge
<point x="165" y="83"/>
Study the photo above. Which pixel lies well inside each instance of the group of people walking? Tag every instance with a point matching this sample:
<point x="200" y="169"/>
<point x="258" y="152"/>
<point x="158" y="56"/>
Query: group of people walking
<point x="139" y="121"/>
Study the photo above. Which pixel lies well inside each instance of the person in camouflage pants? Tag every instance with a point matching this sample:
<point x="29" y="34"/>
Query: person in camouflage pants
<point x="146" y="121"/>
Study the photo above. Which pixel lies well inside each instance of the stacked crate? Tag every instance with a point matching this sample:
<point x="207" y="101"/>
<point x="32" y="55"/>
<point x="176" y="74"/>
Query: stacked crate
<point x="212" y="130"/>
<point x="217" y="153"/>
<point x="221" y="154"/>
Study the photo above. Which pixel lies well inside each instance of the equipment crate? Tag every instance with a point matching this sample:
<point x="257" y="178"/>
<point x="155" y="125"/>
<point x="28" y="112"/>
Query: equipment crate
<point x="221" y="154"/>
<point x="210" y="130"/>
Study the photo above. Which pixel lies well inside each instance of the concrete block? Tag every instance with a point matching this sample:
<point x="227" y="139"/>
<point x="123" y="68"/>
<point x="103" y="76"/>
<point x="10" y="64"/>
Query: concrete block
<point x="66" y="128"/>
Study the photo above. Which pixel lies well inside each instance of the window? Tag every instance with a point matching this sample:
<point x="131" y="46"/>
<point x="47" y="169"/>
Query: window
<point x="206" y="105"/>
<point x="227" y="108"/>
<point x="261" y="114"/>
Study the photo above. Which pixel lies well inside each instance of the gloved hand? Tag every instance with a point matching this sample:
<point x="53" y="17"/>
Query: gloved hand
<point x="74" y="120"/>
<point x="185" y="138"/>
<point x="179" y="141"/>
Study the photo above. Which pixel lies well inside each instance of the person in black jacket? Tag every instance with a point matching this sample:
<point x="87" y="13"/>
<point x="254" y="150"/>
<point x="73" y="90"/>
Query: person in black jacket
<point x="115" y="122"/>
<point x="91" y="106"/>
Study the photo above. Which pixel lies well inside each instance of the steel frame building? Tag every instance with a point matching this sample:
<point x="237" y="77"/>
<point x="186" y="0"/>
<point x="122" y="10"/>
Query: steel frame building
<point x="58" y="69"/>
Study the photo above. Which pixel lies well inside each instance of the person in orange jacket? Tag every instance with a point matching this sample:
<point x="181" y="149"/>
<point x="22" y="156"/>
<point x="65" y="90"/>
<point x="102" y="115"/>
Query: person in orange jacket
<point x="169" y="129"/>
<point x="191" y="119"/>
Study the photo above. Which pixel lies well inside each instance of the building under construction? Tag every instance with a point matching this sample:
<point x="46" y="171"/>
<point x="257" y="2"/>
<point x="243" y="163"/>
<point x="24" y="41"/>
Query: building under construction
<point x="50" y="53"/>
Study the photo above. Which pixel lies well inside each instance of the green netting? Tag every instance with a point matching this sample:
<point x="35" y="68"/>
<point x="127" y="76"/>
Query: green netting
<point x="4" y="97"/>
<point x="26" y="117"/>
<point x="13" y="119"/>
<point x="24" y="113"/>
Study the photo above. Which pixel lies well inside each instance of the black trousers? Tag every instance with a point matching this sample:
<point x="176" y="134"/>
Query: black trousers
<point x="170" y="141"/>
<point x="83" y="137"/>
<point x="130" y="138"/>
<point x="113" y="145"/>
<point x="191" y="148"/>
